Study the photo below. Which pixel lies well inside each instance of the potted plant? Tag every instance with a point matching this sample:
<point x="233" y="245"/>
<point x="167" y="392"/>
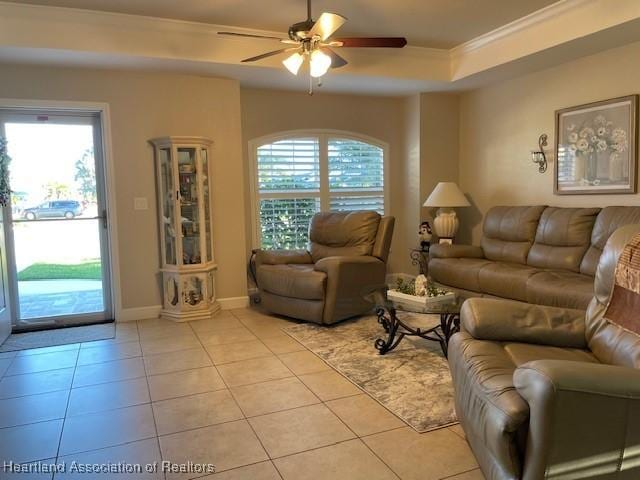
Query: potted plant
<point x="419" y="292"/>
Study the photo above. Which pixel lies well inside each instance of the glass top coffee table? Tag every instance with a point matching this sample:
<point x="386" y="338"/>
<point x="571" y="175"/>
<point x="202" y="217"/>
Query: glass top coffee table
<point x="393" y="316"/>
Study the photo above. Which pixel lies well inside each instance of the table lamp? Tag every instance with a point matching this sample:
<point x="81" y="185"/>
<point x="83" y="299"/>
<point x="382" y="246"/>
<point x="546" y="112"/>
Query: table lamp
<point x="445" y="197"/>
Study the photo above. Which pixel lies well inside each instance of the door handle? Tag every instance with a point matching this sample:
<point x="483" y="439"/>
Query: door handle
<point x="103" y="217"/>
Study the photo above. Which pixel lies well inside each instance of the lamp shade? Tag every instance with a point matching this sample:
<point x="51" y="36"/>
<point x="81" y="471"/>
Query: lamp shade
<point x="446" y="195"/>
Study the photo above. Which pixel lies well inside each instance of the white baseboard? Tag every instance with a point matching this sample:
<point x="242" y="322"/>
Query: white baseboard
<point x="138" y="313"/>
<point x="153" y="311"/>
<point x="234" y="302"/>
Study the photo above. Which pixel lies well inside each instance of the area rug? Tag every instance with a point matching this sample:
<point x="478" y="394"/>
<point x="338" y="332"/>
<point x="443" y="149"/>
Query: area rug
<point x="58" y="336"/>
<point x="412" y="381"/>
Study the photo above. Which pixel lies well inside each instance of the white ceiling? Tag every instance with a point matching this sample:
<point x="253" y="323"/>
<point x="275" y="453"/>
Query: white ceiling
<point x="429" y="23"/>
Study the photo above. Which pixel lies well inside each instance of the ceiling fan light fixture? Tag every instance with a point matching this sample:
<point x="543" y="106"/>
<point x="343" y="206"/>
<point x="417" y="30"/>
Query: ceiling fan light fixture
<point x="293" y="62"/>
<point x="319" y="63"/>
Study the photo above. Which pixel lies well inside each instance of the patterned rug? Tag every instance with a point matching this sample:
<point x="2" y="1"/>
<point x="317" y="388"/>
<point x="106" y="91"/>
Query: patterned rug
<point x="58" y="336"/>
<point x="412" y="381"/>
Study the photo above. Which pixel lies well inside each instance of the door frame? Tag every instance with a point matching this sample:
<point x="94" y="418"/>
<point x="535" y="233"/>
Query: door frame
<point x="103" y="111"/>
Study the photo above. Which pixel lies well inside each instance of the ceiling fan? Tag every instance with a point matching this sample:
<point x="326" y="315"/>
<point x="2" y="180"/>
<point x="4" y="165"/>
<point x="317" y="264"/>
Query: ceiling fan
<point x="312" y="40"/>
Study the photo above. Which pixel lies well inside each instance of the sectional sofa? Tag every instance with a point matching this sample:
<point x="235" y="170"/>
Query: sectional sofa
<point x="534" y="254"/>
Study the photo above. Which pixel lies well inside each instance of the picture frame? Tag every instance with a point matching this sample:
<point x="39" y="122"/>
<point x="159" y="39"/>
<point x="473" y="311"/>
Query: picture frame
<point x="596" y="148"/>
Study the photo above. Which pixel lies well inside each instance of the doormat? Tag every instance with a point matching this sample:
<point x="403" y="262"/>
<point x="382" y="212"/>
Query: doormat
<point x="412" y="381"/>
<point x="58" y="336"/>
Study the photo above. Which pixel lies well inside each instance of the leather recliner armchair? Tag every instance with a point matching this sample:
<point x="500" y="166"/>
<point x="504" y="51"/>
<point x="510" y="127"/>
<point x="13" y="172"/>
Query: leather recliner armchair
<point x="347" y="255"/>
<point x="547" y="392"/>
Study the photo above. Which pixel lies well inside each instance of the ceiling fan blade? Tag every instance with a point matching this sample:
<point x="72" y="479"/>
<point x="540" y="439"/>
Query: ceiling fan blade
<point x="336" y="60"/>
<point x="249" y="35"/>
<point x="268" y="54"/>
<point x="378" y="42"/>
<point x="326" y="25"/>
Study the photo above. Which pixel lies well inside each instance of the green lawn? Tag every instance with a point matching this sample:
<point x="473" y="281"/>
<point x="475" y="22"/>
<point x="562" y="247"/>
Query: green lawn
<point x="89" y="270"/>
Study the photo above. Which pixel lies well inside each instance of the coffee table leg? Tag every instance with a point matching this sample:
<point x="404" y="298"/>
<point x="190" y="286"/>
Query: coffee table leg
<point x="450" y="324"/>
<point x="391" y="327"/>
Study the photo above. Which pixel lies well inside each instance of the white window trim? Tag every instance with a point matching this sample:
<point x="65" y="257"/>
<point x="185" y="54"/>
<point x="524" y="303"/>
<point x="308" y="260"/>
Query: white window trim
<point x="323" y="136"/>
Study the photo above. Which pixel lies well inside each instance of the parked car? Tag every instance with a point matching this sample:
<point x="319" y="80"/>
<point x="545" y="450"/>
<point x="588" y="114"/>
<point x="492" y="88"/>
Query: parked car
<point x="54" y="209"/>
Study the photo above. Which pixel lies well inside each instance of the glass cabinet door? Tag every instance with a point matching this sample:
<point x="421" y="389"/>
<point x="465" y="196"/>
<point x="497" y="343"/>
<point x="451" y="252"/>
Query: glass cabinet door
<point x="206" y="202"/>
<point x="189" y="205"/>
<point x="168" y="199"/>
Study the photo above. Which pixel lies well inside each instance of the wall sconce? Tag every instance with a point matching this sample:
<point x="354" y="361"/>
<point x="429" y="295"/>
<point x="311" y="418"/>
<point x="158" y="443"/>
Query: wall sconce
<point x="538" y="156"/>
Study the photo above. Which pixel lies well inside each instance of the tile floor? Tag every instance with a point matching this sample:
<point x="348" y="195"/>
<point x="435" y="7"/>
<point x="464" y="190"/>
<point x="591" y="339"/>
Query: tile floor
<point x="234" y="391"/>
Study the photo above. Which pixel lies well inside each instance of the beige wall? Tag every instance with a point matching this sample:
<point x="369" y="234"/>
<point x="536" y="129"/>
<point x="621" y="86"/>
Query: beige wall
<point x="266" y="112"/>
<point x="500" y="124"/>
<point x="143" y="106"/>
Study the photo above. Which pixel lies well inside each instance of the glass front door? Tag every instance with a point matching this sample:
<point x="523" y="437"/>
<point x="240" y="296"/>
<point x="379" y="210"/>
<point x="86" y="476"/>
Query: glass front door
<point x="57" y="241"/>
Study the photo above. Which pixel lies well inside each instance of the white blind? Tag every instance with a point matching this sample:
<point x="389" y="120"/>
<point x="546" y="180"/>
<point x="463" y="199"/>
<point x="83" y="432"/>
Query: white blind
<point x="291" y="190"/>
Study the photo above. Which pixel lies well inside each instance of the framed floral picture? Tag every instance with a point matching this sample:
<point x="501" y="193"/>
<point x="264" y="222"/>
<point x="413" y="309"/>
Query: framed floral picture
<point x="596" y="147"/>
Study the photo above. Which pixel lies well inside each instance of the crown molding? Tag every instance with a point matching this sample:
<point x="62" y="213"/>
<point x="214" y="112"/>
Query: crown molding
<point x="519" y="25"/>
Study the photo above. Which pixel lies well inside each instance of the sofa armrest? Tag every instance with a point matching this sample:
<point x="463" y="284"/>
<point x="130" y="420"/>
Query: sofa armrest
<point x="510" y="321"/>
<point x="280" y="257"/>
<point x="580" y="415"/>
<point x="455" y="251"/>
<point x="349" y="280"/>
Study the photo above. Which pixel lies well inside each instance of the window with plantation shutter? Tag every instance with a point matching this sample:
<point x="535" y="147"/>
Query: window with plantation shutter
<point x="296" y="177"/>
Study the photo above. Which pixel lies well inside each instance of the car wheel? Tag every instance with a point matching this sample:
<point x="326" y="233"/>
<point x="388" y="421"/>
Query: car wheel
<point x="68" y="215"/>
<point x="30" y="216"/>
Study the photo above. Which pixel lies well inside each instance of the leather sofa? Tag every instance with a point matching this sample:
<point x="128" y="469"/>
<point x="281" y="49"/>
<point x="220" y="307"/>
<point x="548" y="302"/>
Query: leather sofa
<point x="550" y="393"/>
<point x="347" y="256"/>
<point x="534" y="254"/>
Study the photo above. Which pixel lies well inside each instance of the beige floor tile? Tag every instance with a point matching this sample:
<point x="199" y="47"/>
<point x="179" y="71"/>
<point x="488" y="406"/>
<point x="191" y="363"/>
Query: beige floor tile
<point x="457" y="429"/>
<point x="364" y="415"/>
<point x="163" y="330"/>
<point x="282" y="344"/>
<point x="176" y="361"/>
<point x="33" y="408"/>
<point x="195" y="411"/>
<point x="106" y="429"/>
<point x="404" y="451"/>
<point x="260" y="320"/>
<point x="230" y="335"/>
<point x="143" y="452"/>
<point x="215" y="324"/>
<point x="4" y="365"/>
<point x="108" y="353"/>
<point x="472" y="475"/>
<point x="27" y="443"/>
<point x="266" y="331"/>
<point x="303" y="362"/>
<point x="300" y="429"/>
<point x="257" y="471"/>
<point x="273" y="396"/>
<point x="108" y="372"/>
<point x="108" y="396"/>
<point x="53" y="349"/>
<point x="348" y="460"/>
<point x="125" y="332"/>
<point x="34" y="383"/>
<point x="246" y="312"/>
<point x="227" y="446"/>
<point x="233" y="352"/>
<point x="329" y="385"/>
<point x="155" y="346"/>
<point x="42" y="362"/>
<point x="253" y="371"/>
<point x="187" y="382"/>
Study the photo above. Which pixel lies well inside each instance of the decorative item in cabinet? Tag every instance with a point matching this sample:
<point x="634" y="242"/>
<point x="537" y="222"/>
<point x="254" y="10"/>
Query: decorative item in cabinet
<point x="186" y="243"/>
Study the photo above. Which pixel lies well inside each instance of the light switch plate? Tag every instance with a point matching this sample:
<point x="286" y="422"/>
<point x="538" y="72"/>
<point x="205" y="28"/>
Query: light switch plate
<point x="140" y="203"/>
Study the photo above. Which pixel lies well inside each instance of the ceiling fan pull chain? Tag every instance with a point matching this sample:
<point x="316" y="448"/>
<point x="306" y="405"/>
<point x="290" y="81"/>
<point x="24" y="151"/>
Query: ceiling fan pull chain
<point x="310" y="85"/>
<point x="309" y="10"/>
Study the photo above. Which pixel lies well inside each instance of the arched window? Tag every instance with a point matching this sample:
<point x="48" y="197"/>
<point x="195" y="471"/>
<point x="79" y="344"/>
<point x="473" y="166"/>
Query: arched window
<point x="298" y="174"/>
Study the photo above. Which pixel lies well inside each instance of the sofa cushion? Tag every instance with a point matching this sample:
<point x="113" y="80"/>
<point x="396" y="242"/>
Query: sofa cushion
<point x="562" y="238"/>
<point x="458" y="272"/>
<point x="508" y="232"/>
<point x="292" y="280"/>
<point x="522" y="353"/>
<point x="489" y="407"/>
<point x="607" y="222"/>
<point x="560" y="289"/>
<point x="507" y="280"/>
<point x="343" y="233"/>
